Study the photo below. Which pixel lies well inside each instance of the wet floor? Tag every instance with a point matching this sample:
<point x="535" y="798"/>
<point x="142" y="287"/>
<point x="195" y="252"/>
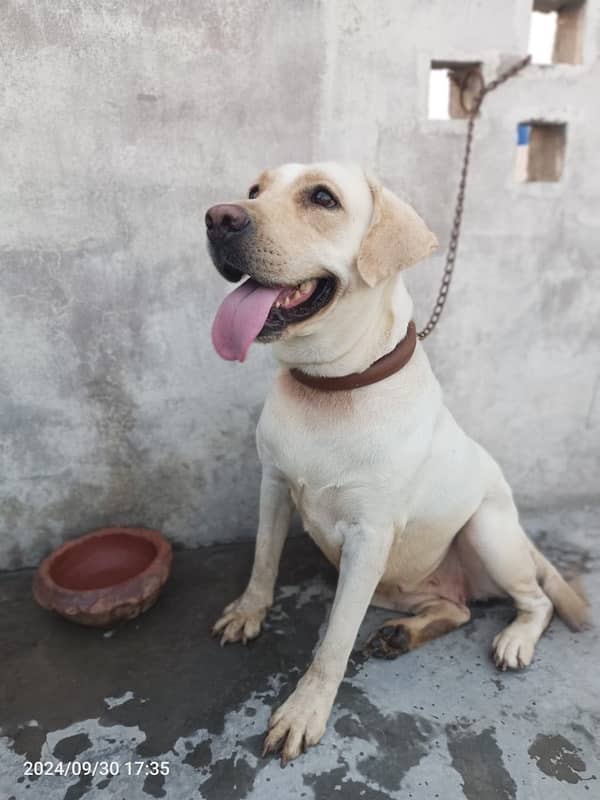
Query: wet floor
<point x="156" y="708"/>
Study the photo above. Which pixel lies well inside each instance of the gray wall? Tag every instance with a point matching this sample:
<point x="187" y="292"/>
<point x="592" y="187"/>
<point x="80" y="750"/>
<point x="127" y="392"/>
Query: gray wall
<point x="121" y="122"/>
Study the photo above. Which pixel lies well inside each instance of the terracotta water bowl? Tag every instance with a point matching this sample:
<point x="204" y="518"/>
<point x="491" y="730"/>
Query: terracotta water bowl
<point x="105" y="577"/>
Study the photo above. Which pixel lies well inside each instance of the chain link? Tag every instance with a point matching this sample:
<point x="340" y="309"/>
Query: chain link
<point x="462" y="185"/>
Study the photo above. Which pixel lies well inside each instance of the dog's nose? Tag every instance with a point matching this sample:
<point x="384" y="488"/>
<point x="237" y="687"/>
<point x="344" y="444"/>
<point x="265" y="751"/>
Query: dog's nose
<point x="225" y="219"/>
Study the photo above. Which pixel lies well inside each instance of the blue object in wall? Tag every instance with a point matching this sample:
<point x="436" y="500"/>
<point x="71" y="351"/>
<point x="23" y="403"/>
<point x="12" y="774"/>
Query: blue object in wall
<point x="523" y="132"/>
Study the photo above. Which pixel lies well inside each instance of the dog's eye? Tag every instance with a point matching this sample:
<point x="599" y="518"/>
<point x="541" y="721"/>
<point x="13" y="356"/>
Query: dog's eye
<point x="254" y="190"/>
<point x="323" y="197"/>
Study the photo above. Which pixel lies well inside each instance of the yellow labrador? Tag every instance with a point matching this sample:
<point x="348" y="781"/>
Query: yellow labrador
<point x="416" y="516"/>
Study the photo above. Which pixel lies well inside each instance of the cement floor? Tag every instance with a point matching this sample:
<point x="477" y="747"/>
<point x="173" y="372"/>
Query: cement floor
<point x="437" y="723"/>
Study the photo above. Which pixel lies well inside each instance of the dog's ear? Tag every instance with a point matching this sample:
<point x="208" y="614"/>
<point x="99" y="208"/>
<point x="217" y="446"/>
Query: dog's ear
<point x="397" y="237"/>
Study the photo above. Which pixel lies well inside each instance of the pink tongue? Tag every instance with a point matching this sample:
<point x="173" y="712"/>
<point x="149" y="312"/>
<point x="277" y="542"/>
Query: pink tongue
<point x="240" y="318"/>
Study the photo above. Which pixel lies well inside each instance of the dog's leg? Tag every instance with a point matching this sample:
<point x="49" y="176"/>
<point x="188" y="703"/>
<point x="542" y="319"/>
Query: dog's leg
<point x="301" y="720"/>
<point x="433" y="617"/>
<point x="496" y="536"/>
<point x="242" y="619"/>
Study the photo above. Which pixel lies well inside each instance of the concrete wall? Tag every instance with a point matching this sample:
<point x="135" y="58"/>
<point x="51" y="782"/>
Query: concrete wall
<point x="121" y="122"/>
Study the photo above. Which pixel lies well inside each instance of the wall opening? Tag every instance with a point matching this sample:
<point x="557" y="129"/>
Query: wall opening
<point x="540" y="151"/>
<point x="556" y="32"/>
<point x="453" y="86"/>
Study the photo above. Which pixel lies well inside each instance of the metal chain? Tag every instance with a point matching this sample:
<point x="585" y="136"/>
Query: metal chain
<point x="460" y="197"/>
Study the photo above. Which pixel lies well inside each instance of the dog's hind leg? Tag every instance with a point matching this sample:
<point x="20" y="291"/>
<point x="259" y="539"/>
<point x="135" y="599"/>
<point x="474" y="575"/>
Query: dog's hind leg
<point x="497" y="539"/>
<point x="433" y="617"/>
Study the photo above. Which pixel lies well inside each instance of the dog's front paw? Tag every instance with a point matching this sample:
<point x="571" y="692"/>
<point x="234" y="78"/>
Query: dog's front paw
<point x="240" y="621"/>
<point x="301" y="721"/>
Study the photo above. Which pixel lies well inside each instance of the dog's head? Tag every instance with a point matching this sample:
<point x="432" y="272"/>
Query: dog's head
<point x="312" y="241"/>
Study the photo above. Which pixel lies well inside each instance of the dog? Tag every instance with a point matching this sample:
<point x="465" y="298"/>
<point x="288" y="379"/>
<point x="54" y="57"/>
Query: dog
<point x="415" y="515"/>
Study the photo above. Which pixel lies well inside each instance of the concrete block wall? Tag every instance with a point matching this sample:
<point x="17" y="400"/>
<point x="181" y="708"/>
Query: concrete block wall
<point x="121" y="122"/>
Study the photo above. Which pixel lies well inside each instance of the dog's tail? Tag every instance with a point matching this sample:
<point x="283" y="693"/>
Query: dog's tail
<point x="568" y="599"/>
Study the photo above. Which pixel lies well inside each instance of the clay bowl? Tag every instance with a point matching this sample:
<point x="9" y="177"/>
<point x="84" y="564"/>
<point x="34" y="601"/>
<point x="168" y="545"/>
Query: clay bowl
<point x="108" y="576"/>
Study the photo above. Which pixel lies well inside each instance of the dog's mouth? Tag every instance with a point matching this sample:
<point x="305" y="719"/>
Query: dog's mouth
<point x="256" y="311"/>
<point x="296" y="304"/>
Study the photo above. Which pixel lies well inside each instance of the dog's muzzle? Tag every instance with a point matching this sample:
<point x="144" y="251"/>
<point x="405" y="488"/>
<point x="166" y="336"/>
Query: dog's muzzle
<point x="226" y="226"/>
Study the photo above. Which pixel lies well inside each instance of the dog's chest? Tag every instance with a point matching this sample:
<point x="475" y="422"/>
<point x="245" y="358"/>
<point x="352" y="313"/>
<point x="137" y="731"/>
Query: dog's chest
<point x="319" y="474"/>
<point x="319" y="459"/>
<point x="335" y="452"/>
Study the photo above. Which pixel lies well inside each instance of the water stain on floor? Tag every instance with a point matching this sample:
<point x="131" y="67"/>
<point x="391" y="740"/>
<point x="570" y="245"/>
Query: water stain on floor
<point x="558" y="758"/>
<point x="478" y="760"/>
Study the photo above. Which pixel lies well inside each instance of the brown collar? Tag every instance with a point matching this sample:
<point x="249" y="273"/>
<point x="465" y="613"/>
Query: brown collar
<point x="382" y="368"/>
